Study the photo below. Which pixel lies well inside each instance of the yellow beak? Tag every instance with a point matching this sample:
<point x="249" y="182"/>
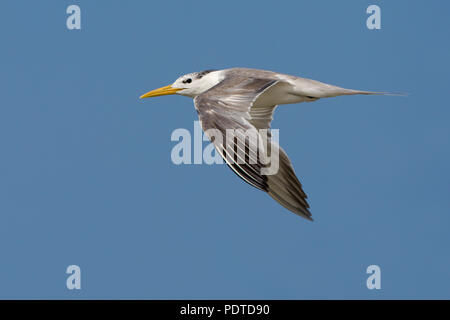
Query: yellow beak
<point x="160" y="92"/>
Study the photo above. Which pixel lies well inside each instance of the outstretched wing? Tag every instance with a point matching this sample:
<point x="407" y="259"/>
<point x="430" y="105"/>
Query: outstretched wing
<point x="230" y="108"/>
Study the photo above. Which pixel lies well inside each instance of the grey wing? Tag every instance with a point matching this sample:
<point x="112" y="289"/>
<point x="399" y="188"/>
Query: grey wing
<point x="230" y="106"/>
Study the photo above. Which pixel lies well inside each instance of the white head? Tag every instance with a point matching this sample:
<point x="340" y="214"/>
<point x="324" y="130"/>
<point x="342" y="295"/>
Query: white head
<point x="191" y="84"/>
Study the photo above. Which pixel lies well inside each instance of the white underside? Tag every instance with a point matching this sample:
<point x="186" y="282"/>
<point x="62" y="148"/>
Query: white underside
<point x="280" y="93"/>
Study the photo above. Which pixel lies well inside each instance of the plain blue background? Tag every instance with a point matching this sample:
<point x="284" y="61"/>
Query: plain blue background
<point x="86" y="176"/>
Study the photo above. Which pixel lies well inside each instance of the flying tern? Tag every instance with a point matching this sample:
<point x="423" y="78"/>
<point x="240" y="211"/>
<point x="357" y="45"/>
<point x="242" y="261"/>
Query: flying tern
<point x="244" y="100"/>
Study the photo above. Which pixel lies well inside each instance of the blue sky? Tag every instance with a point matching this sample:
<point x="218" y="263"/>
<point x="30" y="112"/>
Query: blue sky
<point x="86" y="175"/>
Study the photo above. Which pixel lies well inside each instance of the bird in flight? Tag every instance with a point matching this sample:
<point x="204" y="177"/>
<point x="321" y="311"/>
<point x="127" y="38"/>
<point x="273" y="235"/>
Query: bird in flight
<point x="242" y="99"/>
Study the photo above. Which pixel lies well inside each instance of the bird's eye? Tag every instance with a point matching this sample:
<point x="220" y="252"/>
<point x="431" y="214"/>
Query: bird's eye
<point x="187" y="80"/>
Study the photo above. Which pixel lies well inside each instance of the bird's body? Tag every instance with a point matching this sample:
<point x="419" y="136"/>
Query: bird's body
<point x="242" y="101"/>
